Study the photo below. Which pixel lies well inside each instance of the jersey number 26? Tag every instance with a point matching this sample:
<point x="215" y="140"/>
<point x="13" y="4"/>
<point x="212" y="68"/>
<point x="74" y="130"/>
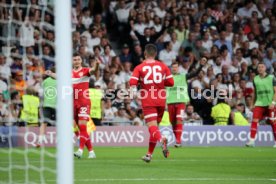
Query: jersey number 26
<point x="155" y="71"/>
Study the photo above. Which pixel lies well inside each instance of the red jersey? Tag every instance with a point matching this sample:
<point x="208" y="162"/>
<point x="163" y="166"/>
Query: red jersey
<point x="153" y="76"/>
<point x="81" y="84"/>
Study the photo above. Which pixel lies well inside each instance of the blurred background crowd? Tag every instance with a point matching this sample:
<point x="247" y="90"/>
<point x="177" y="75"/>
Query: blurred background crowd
<point x="234" y="35"/>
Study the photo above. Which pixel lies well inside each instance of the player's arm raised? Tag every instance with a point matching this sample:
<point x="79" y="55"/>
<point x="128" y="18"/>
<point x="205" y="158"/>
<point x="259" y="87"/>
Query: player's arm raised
<point x="93" y="70"/>
<point x="169" y="82"/>
<point x="50" y="74"/>
<point x="193" y="74"/>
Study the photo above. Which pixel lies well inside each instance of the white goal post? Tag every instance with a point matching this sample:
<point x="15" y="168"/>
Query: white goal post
<point x="64" y="100"/>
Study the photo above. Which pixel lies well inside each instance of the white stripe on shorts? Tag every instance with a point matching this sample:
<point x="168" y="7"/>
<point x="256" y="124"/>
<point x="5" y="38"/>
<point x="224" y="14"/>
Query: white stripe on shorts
<point x="150" y="115"/>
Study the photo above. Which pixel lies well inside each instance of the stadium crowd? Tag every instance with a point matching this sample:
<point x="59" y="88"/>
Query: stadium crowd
<point x="234" y="35"/>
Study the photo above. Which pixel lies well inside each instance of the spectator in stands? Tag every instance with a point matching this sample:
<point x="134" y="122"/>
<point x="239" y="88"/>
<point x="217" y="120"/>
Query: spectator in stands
<point x="175" y="43"/>
<point x="137" y="56"/>
<point x="147" y="38"/>
<point x="236" y="81"/>
<point x="222" y="41"/>
<point x="189" y="42"/>
<point x="104" y="42"/>
<point x="206" y="41"/>
<point x="86" y="19"/>
<point x="5" y="70"/>
<point x="106" y="56"/>
<point x="26" y="33"/>
<point x="182" y="33"/>
<point x="160" y="10"/>
<point x="269" y="59"/>
<point x="209" y="76"/>
<point x="247" y="9"/>
<point x="129" y="110"/>
<point x="167" y="55"/>
<point x="190" y="116"/>
<point x="246" y="89"/>
<point x="244" y="70"/>
<point x="18" y="83"/>
<point x="84" y="44"/>
<point x="226" y="77"/>
<point x="122" y="117"/>
<point x="122" y="15"/>
<point x="125" y="56"/>
<point x="76" y="40"/>
<point x="254" y="63"/>
<point x="109" y="112"/>
<point x="4" y="111"/>
<point x="199" y="49"/>
<point x="249" y="102"/>
<point x="234" y="67"/>
<point x="126" y="73"/>
<point x="217" y="65"/>
<point x="225" y="56"/>
<point x="47" y="58"/>
<point x="139" y="119"/>
<point x="92" y="37"/>
<point x="115" y="77"/>
<point x="140" y="25"/>
<point x="36" y="83"/>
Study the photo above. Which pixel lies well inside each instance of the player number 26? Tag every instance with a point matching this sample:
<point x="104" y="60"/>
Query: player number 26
<point x="155" y="71"/>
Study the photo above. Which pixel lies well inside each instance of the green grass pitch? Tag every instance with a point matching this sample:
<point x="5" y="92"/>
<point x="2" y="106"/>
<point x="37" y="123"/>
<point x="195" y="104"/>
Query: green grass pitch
<point x="187" y="165"/>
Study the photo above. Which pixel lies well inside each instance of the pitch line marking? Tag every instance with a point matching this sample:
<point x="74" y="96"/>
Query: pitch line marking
<point x="170" y="179"/>
<point x="138" y="160"/>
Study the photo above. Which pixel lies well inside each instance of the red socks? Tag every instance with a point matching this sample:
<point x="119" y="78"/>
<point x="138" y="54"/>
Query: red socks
<point x="84" y="138"/>
<point x="253" y="130"/>
<point x="89" y="145"/>
<point x="152" y="144"/>
<point x="83" y="135"/>
<point x="177" y="130"/>
<point x="155" y="133"/>
<point x="273" y="125"/>
<point x="155" y="136"/>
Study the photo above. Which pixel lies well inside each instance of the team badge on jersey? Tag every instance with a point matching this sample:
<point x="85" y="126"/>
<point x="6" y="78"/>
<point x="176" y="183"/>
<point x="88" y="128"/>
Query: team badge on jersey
<point x="81" y="74"/>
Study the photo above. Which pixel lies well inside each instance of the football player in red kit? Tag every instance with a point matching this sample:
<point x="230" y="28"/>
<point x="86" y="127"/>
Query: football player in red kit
<point x="80" y="80"/>
<point x="153" y="76"/>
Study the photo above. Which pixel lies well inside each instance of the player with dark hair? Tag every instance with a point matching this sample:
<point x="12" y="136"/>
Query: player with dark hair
<point x="265" y="101"/>
<point x="153" y="77"/>
<point x="177" y="97"/>
<point x="81" y="102"/>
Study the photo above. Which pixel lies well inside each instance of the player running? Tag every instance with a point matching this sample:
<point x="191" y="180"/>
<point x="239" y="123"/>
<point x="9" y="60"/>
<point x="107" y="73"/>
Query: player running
<point x="82" y="103"/>
<point x="153" y="77"/>
<point x="265" y="100"/>
<point x="177" y="97"/>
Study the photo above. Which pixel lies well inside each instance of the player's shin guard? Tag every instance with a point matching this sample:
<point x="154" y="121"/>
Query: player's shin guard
<point x="155" y="133"/>
<point x="83" y="136"/>
<point x="177" y="130"/>
<point x="152" y="144"/>
<point x="253" y="130"/>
